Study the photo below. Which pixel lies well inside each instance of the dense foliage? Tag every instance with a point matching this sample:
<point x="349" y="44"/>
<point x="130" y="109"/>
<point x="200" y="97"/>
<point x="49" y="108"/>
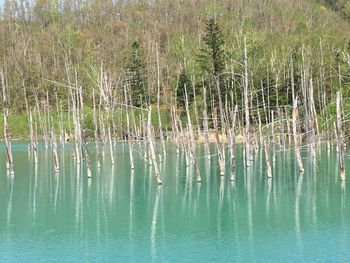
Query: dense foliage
<point x="47" y="44"/>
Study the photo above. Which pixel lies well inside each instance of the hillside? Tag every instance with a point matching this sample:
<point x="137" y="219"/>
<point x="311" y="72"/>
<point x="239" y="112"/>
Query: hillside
<point x="46" y="44"/>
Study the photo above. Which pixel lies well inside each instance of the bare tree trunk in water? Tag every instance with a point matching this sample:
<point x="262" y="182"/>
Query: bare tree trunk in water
<point x="340" y="136"/>
<point x="6" y="109"/>
<point x="246" y="106"/>
<point x="151" y="148"/>
<point x="295" y="134"/>
<point x="158" y="105"/>
<point x="267" y="158"/>
<point x="54" y="150"/>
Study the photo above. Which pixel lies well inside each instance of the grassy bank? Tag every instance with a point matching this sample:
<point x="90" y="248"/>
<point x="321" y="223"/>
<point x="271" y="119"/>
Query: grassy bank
<point x="19" y="127"/>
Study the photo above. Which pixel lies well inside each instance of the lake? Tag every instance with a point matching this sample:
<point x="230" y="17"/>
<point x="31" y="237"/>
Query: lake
<point x="121" y="215"/>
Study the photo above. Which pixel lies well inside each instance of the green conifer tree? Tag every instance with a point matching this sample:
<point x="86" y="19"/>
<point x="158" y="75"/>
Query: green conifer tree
<point x="212" y="60"/>
<point x="213" y="51"/>
<point x="137" y="76"/>
<point x="184" y="81"/>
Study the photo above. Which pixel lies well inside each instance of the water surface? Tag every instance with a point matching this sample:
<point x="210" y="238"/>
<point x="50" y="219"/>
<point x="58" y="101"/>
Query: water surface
<point x="124" y="216"/>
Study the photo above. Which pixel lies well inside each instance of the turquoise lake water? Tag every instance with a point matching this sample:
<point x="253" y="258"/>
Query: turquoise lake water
<point x="124" y="216"/>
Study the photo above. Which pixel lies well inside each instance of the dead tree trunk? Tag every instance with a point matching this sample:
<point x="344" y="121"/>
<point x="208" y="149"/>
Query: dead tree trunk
<point x="220" y="151"/>
<point x="175" y="128"/>
<point x="313" y="119"/>
<point x="192" y="145"/>
<point x="33" y="137"/>
<point x="296" y="135"/>
<point x="273" y="137"/>
<point x="128" y="130"/>
<point x="76" y="123"/>
<point x="340" y="136"/>
<point x="195" y="105"/>
<point x="158" y="106"/>
<point x="246" y="106"/>
<point x="31" y="130"/>
<point x="232" y="140"/>
<point x="96" y="134"/>
<point x="111" y="151"/>
<point x="6" y="109"/>
<point x="205" y="123"/>
<point x="54" y="150"/>
<point x="42" y="124"/>
<point x="60" y="122"/>
<point x="83" y="135"/>
<point x="151" y="148"/>
<point x="267" y="158"/>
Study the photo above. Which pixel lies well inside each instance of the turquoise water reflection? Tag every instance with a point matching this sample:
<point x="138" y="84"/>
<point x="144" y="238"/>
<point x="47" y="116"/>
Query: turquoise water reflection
<point x="124" y="216"/>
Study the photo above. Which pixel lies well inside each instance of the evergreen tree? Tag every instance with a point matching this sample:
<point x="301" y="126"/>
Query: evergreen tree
<point x="212" y="56"/>
<point x="184" y="81"/>
<point x="137" y="76"/>
<point x="212" y="59"/>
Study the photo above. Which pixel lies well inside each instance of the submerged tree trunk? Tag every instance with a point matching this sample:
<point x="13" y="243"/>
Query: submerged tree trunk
<point x="296" y="135"/>
<point x="111" y="151"/>
<point x="128" y="130"/>
<point x="205" y="123"/>
<point x="232" y="141"/>
<point x="152" y="152"/>
<point x="220" y="151"/>
<point x="33" y="138"/>
<point x="84" y="135"/>
<point x="54" y="150"/>
<point x="33" y="145"/>
<point x="340" y="136"/>
<point x="158" y="106"/>
<point x="42" y="123"/>
<point x="192" y="146"/>
<point x="246" y="106"/>
<point x="267" y="158"/>
<point x="96" y="133"/>
<point x="6" y="109"/>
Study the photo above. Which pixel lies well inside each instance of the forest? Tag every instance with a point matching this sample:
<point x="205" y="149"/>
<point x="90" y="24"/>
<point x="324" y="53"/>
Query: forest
<point x="174" y="130"/>
<point x="95" y="69"/>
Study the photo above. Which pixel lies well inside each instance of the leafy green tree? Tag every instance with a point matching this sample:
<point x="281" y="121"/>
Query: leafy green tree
<point x="136" y="75"/>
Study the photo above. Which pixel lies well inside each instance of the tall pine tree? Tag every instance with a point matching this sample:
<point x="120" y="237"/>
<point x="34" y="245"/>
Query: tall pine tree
<point x="212" y="60"/>
<point x="184" y="81"/>
<point x="213" y="53"/>
<point x="137" y="76"/>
